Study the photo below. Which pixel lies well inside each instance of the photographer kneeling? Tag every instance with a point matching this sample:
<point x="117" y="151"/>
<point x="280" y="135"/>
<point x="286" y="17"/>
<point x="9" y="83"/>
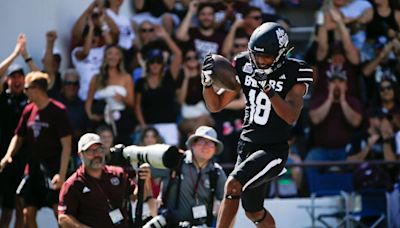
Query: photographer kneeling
<point x="98" y="195"/>
<point x="190" y="195"/>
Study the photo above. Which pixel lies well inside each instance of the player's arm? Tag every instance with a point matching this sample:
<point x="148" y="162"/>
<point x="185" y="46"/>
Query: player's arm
<point x="290" y="108"/>
<point x="215" y="101"/>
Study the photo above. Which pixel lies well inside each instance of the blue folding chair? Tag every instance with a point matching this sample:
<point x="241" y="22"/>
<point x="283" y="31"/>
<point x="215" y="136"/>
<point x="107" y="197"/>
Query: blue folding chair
<point x="332" y="182"/>
<point x="374" y="204"/>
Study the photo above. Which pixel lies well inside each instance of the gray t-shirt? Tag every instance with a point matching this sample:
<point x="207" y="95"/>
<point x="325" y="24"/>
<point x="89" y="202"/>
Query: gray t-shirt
<point x="188" y="190"/>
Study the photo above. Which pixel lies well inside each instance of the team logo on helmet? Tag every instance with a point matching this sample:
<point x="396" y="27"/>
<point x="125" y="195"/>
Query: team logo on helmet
<point x="282" y="36"/>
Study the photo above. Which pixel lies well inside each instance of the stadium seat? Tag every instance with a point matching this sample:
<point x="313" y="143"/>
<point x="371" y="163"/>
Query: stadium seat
<point x="332" y="182"/>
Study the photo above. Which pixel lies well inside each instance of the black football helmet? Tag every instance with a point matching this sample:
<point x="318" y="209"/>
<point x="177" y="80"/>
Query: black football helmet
<point x="268" y="39"/>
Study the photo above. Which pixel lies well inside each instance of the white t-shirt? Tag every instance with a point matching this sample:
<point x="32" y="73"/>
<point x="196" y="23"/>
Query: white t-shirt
<point x="87" y="67"/>
<point x="126" y="33"/>
<point x="355" y="8"/>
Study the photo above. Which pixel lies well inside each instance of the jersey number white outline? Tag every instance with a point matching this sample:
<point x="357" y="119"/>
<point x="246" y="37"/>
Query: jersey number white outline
<point x="260" y="107"/>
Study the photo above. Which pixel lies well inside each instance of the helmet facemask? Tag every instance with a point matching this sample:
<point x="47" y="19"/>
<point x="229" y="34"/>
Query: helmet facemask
<point x="260" y="74"/>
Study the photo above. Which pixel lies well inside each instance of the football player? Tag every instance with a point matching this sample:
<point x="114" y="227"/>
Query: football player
<point x="274" y="86"/>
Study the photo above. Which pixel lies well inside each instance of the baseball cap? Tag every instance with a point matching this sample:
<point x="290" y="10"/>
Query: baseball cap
<point x="207" y="133"/>
<point x="154" y="53"/>
<point x="15" y="68"/>
<point x="336" y="73"/>
<point x="87" y="140"/>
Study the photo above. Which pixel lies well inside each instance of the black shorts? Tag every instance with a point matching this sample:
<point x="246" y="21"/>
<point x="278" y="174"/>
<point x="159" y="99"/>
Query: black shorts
<point x="9" y="180"/>
<point x="255" y="166"/>
<point x="35" y="190"/>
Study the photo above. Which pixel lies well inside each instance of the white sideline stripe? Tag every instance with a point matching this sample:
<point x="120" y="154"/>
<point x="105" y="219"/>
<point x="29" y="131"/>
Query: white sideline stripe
<point x="304" y="79"/>
<point x="264" y="171"/>
<point x="305" y="70"/>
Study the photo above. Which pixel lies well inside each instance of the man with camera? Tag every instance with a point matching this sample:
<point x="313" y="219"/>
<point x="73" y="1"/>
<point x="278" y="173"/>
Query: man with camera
<point x="98" y="195"/>
<point x="190" y="192"/>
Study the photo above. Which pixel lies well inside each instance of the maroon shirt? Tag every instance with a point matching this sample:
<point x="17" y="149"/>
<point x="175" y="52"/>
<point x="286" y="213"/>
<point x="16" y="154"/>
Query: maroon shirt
<point x="334" y="131"/>
<point x="85" y="197"/>
<point x="206" y="44"/>
<point x="322" y="81"/>
<point x="42" y="130"/>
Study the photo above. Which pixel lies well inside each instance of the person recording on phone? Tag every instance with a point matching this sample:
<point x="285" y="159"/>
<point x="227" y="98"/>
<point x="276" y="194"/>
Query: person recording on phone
<point x="98" y="195"/>
<point x="192" y="192"/>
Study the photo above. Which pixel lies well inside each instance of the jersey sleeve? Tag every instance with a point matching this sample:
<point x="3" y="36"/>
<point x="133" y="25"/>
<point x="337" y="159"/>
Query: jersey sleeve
<point x="305" y="75"/>
<point x="68" y="199"/>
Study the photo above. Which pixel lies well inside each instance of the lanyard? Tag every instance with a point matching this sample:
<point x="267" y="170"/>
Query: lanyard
<point x="196" y="184"/>
<point x="105" y="195"/>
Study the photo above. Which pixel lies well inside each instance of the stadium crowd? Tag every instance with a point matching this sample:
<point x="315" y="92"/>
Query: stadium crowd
<point x="136" y="80"/>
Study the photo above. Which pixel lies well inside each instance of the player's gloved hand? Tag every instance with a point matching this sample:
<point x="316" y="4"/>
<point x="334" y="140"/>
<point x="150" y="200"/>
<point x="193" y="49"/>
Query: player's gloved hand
<point x="261" y="74"/>
<point x="207" y="71"/>
<point x="267" y="88"/>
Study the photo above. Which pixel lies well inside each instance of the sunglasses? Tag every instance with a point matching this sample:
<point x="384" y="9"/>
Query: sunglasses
<point x="239" y="45"/>
<point x="72" y="83"/>
<point x="155" y="60"/>
<point x="193" y="57"/>
<point x="143" y="30"/>
<point x="384" y="88"/>
<point x="257" y="18"/>
<point x="29" y="87"/>
<point x="91" y="152"/>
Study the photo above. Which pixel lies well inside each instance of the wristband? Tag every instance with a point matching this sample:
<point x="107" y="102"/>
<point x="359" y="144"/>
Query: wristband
<point x="208" y="86"/>
<point x="28" y="59"/>
<point x="269" y="91"/>
<point x="388" y="140"/>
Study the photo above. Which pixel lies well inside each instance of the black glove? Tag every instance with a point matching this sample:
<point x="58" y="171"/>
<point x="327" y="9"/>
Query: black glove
<point x="260" y="75"/>
<point x="207" y="71"/>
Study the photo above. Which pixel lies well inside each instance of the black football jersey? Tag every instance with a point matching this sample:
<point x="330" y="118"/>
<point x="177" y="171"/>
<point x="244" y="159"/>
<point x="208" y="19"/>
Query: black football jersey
<point x="262" y="125"/>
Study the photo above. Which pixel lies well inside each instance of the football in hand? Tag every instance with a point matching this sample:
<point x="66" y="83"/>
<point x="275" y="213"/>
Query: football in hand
<point x="225" y="73"/>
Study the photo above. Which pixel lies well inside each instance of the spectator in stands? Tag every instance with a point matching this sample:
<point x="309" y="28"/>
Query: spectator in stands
<point x="101" y="21"/>
<point x="150" y="136"/>
<point x="336" y="113"/>
<point x="190" y="96"/>
<point x="205" y="38"/>
<point x="116" y="87"/>
<point x="192" y="193"/>
<point x="152" y="37"/>
<point x="44" y="127"/>
<point x="162" y="15"/>
<point x="51" y="62"/>
<point x="155" y="98"/>
<point x="126" y="32"/>
<point x="97" y="195"/>
<point x="268" y="7"/>
<point x="377" y="142"/>
<point x="241" y="29"/>
<point x="107" y="138"/>
<point x="75" y="108"/>
<point x="356" y="14"/>
<point x="12" y="103"/>
<point x="87" y="58"/>
<point x="385" y="21"/>
<point x="388" y="99"/>
<point x="339" y="55"/>
<point x="385" y="64"/>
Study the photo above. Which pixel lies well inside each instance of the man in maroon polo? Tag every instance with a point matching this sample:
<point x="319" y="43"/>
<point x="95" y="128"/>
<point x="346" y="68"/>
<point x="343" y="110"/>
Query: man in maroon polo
<point x="97" y="195"/>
